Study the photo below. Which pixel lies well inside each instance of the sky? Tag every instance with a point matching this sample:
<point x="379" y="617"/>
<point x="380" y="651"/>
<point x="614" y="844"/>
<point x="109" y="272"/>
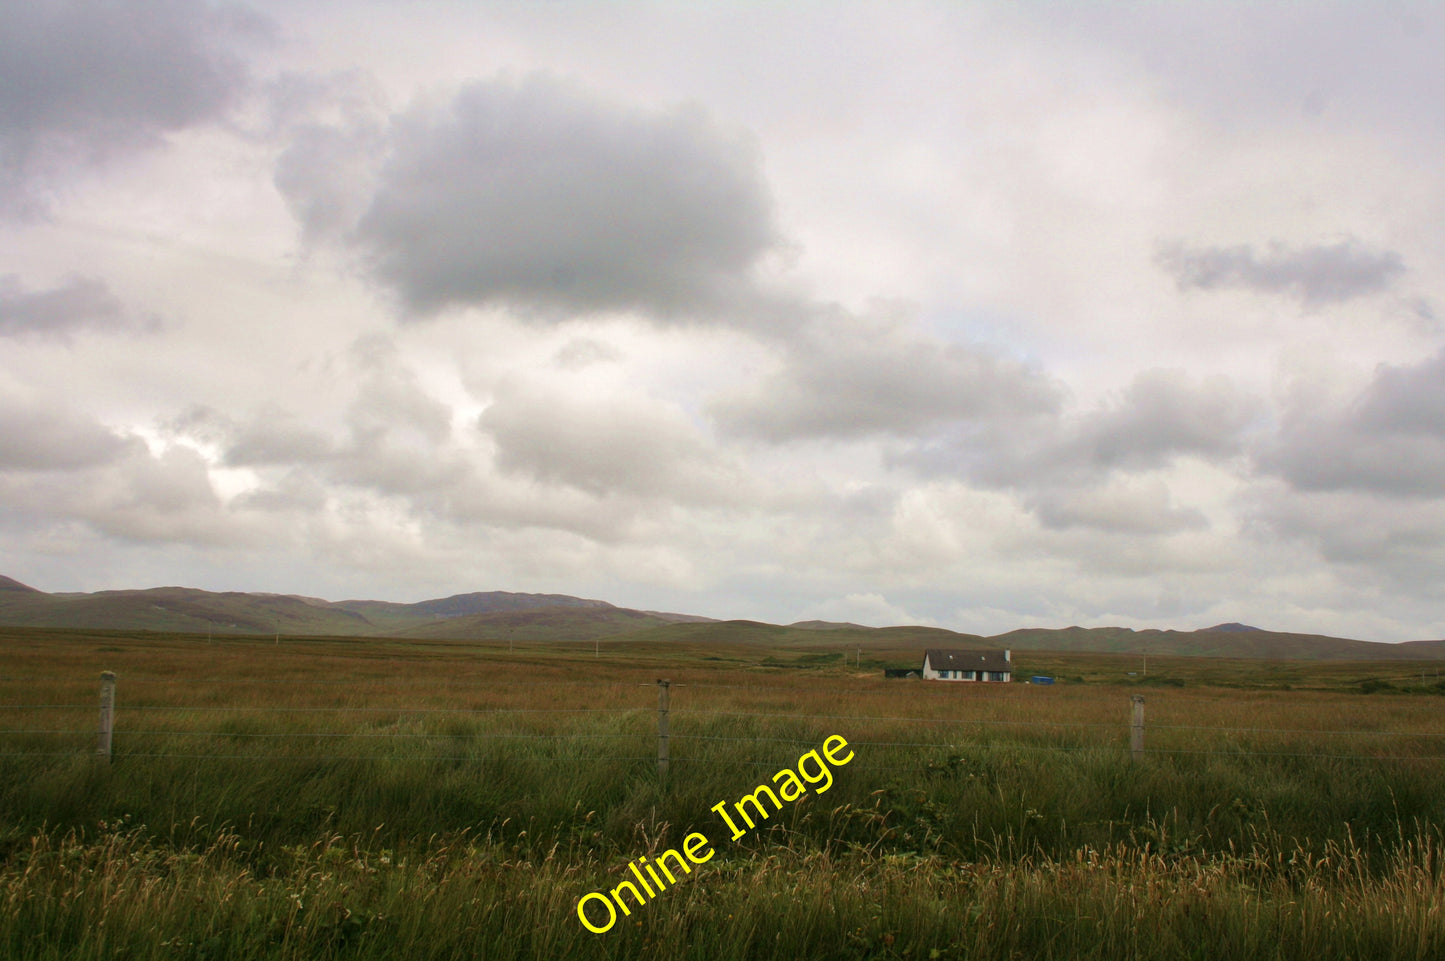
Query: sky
<point x="975" y="315"/>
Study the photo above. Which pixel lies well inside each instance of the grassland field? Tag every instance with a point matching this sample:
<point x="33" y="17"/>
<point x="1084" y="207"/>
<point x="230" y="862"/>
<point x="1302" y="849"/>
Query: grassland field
<point x="370" y="798"/>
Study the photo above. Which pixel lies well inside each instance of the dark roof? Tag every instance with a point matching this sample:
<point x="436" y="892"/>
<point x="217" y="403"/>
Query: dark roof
<point x="942" y="660"/>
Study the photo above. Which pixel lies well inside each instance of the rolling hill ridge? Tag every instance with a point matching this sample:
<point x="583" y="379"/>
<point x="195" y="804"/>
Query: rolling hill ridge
<point x="503" y="615"/>
<point x="474" y="616"/>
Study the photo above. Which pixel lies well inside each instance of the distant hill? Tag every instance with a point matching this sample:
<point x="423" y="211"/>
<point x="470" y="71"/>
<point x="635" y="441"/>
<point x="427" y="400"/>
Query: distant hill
<point x="492" y="614"/>
<point x="498" y="615"/>
<point x="490" y="602"/>
<point x="1223" y="641"/>
<point x="775" y="635"/>
<point x="548" y="624"/>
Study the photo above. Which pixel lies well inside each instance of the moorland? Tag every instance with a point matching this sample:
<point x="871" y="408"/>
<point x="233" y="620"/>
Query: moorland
<point x="311" y="796"/>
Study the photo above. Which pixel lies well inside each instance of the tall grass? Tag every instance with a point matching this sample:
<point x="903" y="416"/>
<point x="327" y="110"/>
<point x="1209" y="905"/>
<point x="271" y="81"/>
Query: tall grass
<point x="436" y="807"/>
<point x="123" y="894"/>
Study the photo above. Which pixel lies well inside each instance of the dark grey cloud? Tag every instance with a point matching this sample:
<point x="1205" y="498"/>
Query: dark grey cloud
<point x="1388" y="440"/>
<point x="82" y="81"/>
<point x="1405" y="399"/>
<point x="335" y="128"/>
<point x="77" y="304"/>
<point x="41" y="437"/>
<point x="325" y="175"/>
<point x="1089" y="471"/>
<point x="848" y="377"/>
<point x="534" y="195"/>
<point x="1162" y="414"/>
<point x="1315" y="275"/>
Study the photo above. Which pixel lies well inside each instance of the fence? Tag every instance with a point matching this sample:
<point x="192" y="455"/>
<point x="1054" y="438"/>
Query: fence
<point x="1189" y="739"/>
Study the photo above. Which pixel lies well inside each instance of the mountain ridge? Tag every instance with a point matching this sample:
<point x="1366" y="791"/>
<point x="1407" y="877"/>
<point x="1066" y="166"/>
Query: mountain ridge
<point x="498" y="615"/>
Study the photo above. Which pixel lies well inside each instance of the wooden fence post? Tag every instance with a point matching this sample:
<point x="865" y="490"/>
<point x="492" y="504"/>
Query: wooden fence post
<point x="1136" y="731"/>
<point x="107" y="714"/>
<point x="662" y="700"/>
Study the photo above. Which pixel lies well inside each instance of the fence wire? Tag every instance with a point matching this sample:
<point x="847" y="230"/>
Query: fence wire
<point x="130" y="736"/>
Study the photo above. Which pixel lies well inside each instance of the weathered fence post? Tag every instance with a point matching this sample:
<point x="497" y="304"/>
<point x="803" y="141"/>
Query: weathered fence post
<point x="662" y="699"/>
<point x="107" y="714"/>
<point x="1136" y="731"/>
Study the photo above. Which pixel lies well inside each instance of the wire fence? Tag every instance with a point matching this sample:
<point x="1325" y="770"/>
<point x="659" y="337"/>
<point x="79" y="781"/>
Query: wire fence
<point x="960" y="732"/>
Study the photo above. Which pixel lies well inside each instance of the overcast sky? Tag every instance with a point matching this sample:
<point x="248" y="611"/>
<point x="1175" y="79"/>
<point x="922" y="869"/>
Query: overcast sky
<point x="978" y="315"/>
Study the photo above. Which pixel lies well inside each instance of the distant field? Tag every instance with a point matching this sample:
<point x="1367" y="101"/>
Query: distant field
<point x="331" y="797"/>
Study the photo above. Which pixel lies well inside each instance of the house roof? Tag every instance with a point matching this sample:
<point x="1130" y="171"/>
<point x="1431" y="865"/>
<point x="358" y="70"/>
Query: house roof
<point x="945" y="660"/>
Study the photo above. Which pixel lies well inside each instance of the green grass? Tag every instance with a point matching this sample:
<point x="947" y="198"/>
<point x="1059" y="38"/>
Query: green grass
<point x="122" y="894"/>
<point x="416" y="818"/>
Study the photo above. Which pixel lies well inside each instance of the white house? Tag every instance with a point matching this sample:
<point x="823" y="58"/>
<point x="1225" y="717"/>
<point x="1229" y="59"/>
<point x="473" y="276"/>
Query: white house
<point x="986" y="666"/>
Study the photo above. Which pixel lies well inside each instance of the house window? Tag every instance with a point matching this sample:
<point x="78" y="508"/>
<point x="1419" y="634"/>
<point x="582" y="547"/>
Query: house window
<point x="968" y="675"/>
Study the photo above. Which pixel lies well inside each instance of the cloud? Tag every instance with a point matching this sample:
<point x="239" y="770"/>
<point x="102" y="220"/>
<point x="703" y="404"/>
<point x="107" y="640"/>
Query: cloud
<point x="600" y="469"/>
<point x="81" y="82"/>
<point x="1118" y="506"/>
<point x="1361" y="66"/>
<point x="1389" y="439"/>
<point x="607" y="445"/>
<point x="137" y="497"/>
<point x="79" y="303"/>
<point x="581" y="352"/>
<point x="1105" y="469"/>
<point x="540" y="197"/>
<point x="390" y="436"/>
<point x="1375" y="536"/>
<point x="37" y="437"/>
<point x="849" y="377"/>
<point x="335" y="130"/>
<point x="276" y="437"/>
<point x="1162" y="415"/>
<point x="1315" y="275"/>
